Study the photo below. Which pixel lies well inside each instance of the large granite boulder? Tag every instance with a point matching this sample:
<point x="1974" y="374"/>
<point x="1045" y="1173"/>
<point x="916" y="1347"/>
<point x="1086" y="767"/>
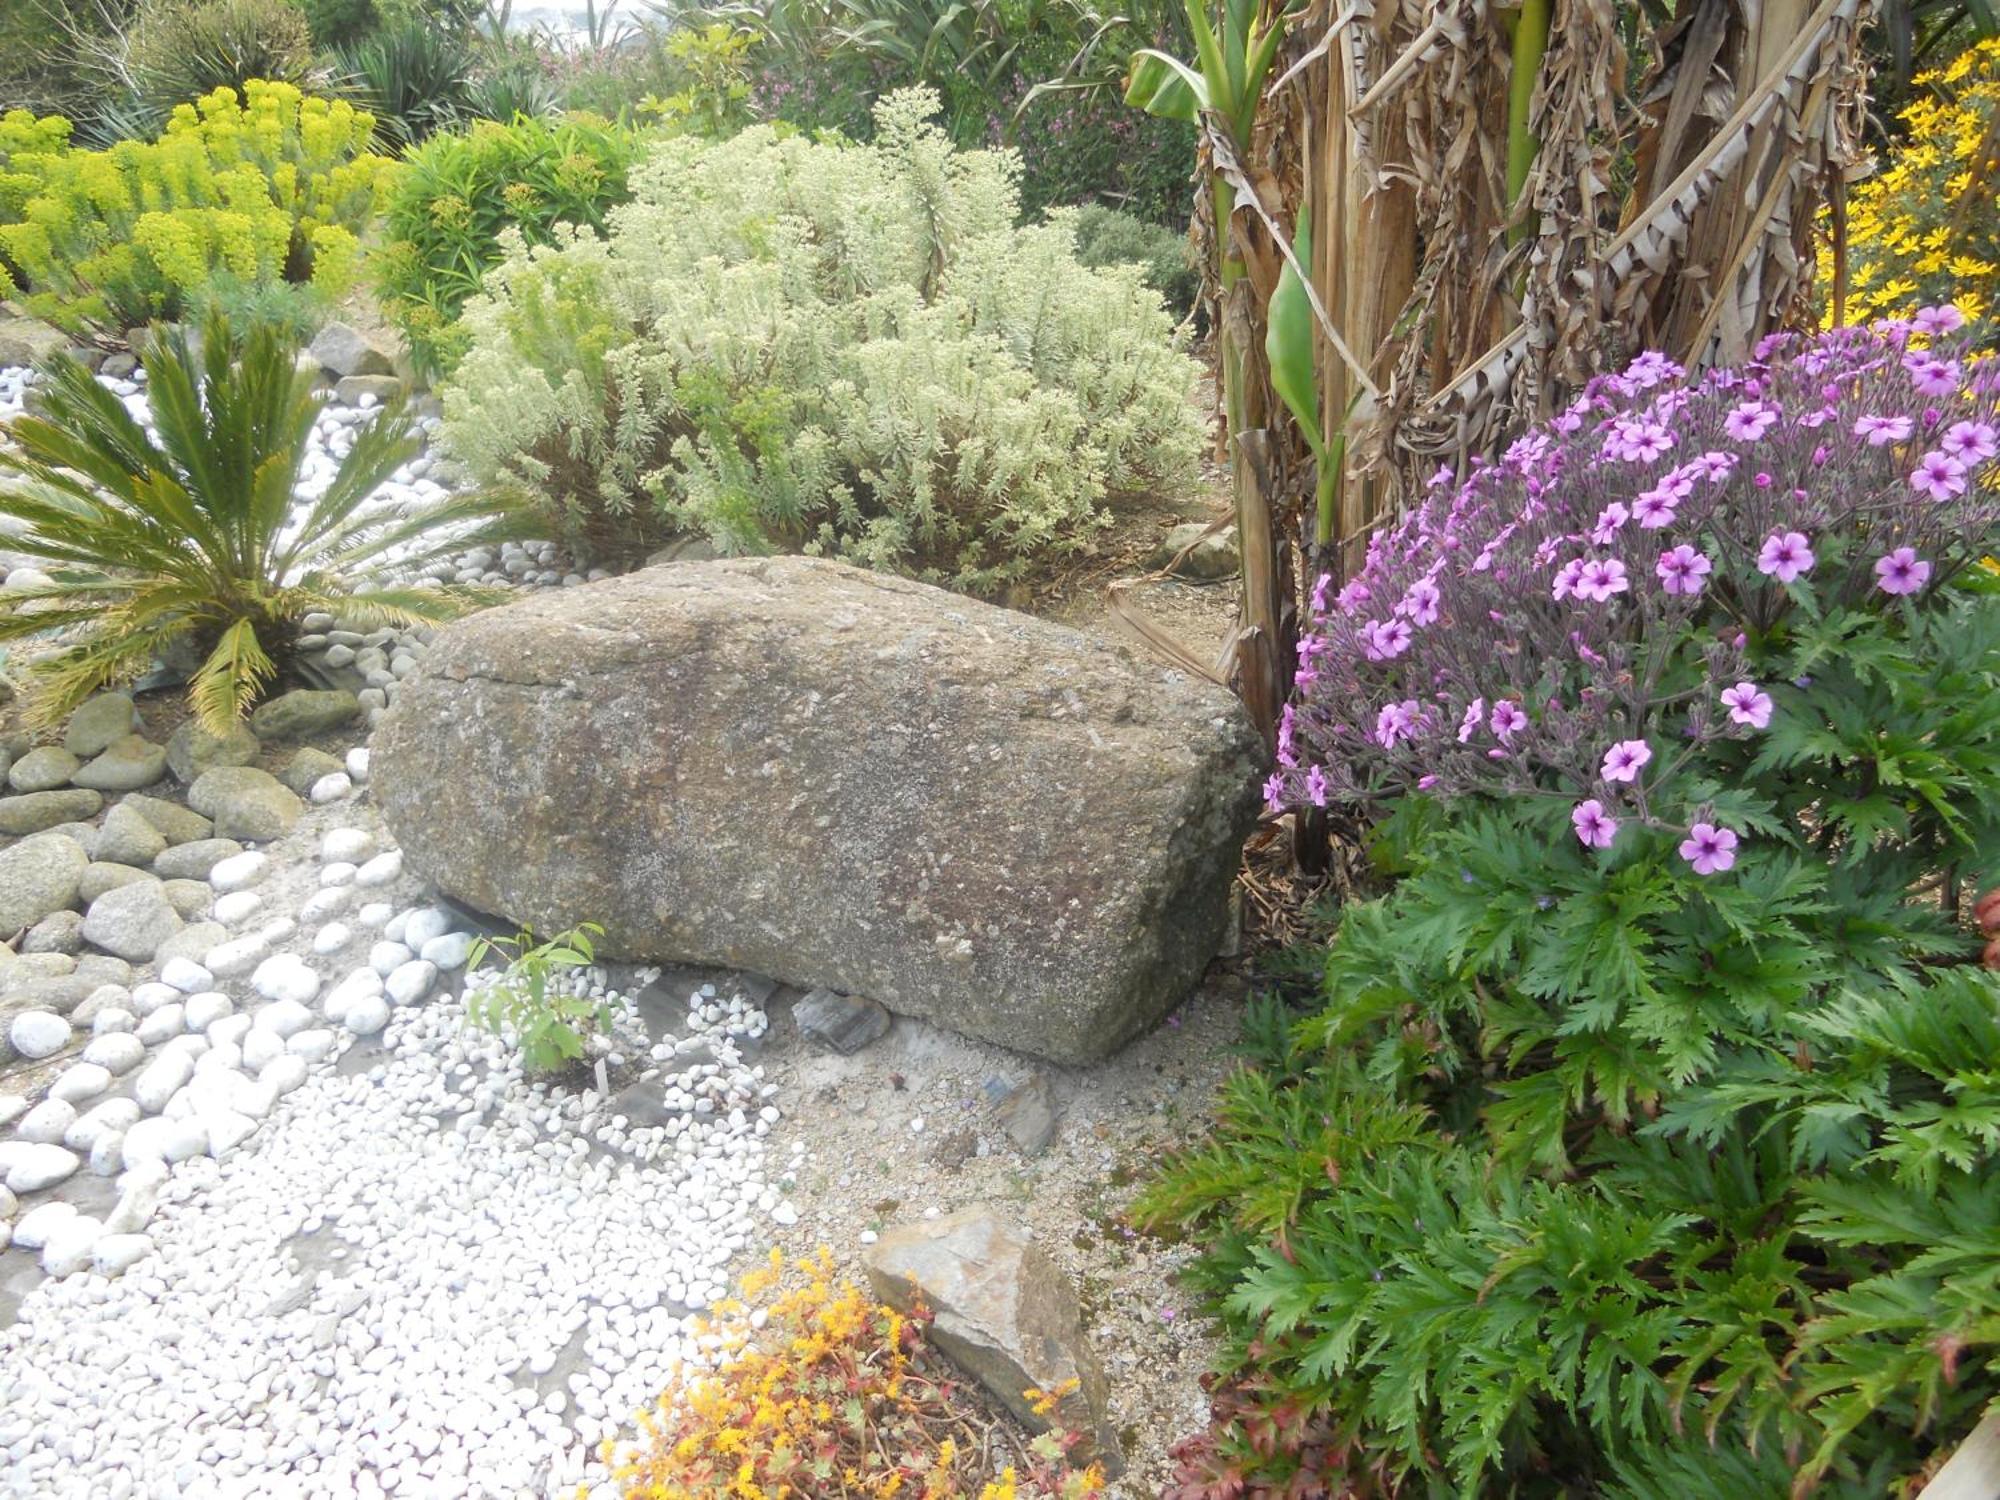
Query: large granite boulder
<point x="835" y="778"/>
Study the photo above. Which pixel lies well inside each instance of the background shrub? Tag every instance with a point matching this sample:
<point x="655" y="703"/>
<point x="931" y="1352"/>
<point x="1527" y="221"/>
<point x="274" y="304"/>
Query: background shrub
<point x="413" y="74"/>
<point x="268" y="190"/>
<point x="1619" y="1155"/>
<point x="177" y="51"/>
<point x="458" y="191"/>
<point x="1109" y="237"/>
<point x="1926" y="227"/>
<point x="846" y="349"/>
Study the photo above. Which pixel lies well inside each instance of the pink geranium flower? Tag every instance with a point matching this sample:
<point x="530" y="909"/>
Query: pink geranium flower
<point x="1938" y="475"/>
<point x="1682" y="570"/>
<point x="1969" y="442"/>
<point x="1944" y="318"/>
<point x="1601" y="578"/>
<point x="1507" y="720"/>
<point x="1468" y="726"/>
<point x="1623" y="760"/>
<point x="1785" y="555"/>
<point x="1709" y="848"/>
<point x="1901" y="572"/>
<point x="1748" y="704"/>
<point x="1594" y="826"/>
<point x="1882" y="431"/>
<point x="1750" y="421"/>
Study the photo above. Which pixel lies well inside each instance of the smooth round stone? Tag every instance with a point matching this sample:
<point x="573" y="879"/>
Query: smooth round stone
<point x="229" y="1031"/>
<point x="111" y="1020"/>
<point x="45" y="1123"/>
<point x="115" y="1254"/>
<point x="69" y="1247"/>
<point x="312" y="1045"/>
<point x="107" y="1154"/>
<point x="83" y="1080"/>
<point x="284" y="1073"/>
<point x="150" y="996"/>
<point x="330" y="788"/>
<point x="237" y="905"/>
<point x="396" y="927"/>
<point x="237" y="956"/>
<point x="332" y="938"/>
<point x="380" y="870"/>
<point x="113" y="1116"/>
<point x="377" y="914"/>
<point x="411" y="982"/>
<point x="240" y="871"/>
<point x="448" y="950"/>
<point x="347" y="845"/>
<point x="117" y="1052"/>
<point x="222" y="1057"/>
<point x="283" y="1018"/>
<point x="227" y="1130"/>
<point x="163" y="1077"/>
<point x="37" y="1034"/>
<point x="323" y="904"/>
<point x="284" y="976"/>
<point x="366" y="1015"/>
<point x="205" y="1009"/>
<point x="167" y="1021"/>
<point x="277" y="929"/>
<point x="424" y="924"/>
<point x="36" y="1167"/>
<point x="185" y="975"/>
<point x="259" y="1047"/>
<point x="340" y="872"/>
<point x="386" y="957"/>
<point x="357" y="764"/>
<point x="33" y="1228"/>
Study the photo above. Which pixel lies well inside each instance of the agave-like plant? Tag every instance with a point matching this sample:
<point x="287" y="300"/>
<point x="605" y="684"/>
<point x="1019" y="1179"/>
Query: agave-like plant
<point x="194" y="534"/>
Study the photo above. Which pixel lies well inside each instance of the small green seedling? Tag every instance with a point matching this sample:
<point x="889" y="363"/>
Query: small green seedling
<point x="550" y="1023"/>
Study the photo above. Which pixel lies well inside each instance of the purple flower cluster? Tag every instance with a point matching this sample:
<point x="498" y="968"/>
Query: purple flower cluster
<point x="1572" y="619"/>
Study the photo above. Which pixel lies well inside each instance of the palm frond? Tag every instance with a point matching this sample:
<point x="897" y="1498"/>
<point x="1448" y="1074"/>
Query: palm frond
<point x="60" y="683"/>
<point x="225" y="686"/>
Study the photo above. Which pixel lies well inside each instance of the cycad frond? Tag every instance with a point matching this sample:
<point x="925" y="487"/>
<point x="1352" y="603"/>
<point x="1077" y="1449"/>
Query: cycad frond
<point x="228" y="682"/>
<point x="157" y="540"/>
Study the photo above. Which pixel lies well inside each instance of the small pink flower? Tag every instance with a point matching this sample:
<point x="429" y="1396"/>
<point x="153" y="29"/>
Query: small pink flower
<point x="1654" y="509"/>
<point x="1931" y="376"/>
<point x="1970" y="442"/>
<point x="1420" y="603"/>
<point x="1944" y="318"/>
<point x="1882" y="431"/>
<point x="1274" y="793"/>
<point x="1938" y="475"/>
<point x="1716" y="464"/>
<point x="1469" y="725"/>
<point x="1602" y="578"/>
<point x="1901" y="572"/>
<point x="1595" y="828"/>
<point x="1566" y="578"/>
<point x="1682" y="570"/>
<point x="1507" y="720"/>
<point x="1750" y="421"/>
<point x="1383" y="640"/>
<point x="1785" y="555"/>
<point x="1316" y="786"/>
<point x="1624" y="759"/>
<point x="1609" y="520"/>
<point x="1397" y="722"/>
<point x="1748" y="704"/>
<point x="1709" y="848"/>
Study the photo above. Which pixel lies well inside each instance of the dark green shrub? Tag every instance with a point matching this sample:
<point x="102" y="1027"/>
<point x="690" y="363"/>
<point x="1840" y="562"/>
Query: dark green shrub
<point x="458" y="192"/>
<point x="185" y="538"/>
<point x="178" y="51"/>
<point x="338" y="23"/>
<point x="1106" y="236"/>
<point x="1624" y="1158"/>
<point x="414" y="75"/>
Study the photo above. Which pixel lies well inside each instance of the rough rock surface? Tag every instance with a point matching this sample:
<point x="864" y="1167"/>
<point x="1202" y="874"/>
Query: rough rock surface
<point x="99" y="723"/>
<point x="38" y="876"/>
<point x="835" y="778"/>
<point x="303" y="711"/>
<point x="1004" y="1314"/>
<point x="348" y="351"/>
<point x="125" y="765"/>
<point x="33" y="812"/>
<point x="192" y="749"/>
<point x="244" y="802"/>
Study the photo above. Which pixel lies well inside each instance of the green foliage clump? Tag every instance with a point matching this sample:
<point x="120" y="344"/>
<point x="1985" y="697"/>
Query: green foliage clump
<point x="269" y="190"/>
<point x="853" y="350"/>
<point x="185" y="542"/>
<point x="414" y="75"/>
<point x="177" y="51"/>
<point x="1038" y="75"/>
<point x="458" y="191"/>
<point x="1109" y="237"/>
<point x="527" y="1002"/>
<point x="1599" y="1175"/>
